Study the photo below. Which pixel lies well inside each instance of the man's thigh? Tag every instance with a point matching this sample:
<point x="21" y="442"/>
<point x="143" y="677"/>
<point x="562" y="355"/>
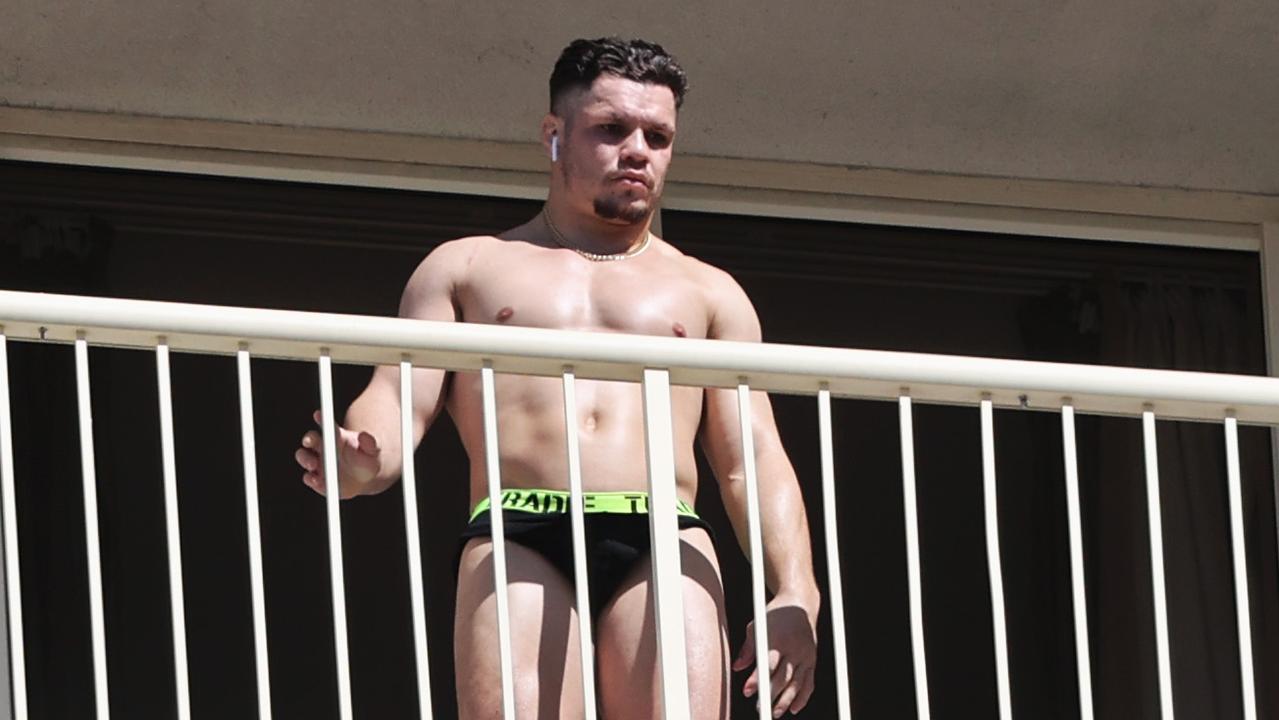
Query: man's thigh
<point x="545" y="653"/>
<point x="626" y="648"/>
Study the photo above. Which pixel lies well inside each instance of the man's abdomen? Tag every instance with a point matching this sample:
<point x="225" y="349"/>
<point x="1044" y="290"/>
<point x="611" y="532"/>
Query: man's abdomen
<point x="532" y="437"/>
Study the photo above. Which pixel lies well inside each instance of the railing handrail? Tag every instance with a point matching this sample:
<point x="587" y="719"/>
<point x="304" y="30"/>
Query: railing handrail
<point x="775" y="367"/>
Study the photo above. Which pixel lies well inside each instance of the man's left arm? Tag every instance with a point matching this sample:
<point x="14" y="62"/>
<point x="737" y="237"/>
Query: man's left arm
<point x="787" y="551"/>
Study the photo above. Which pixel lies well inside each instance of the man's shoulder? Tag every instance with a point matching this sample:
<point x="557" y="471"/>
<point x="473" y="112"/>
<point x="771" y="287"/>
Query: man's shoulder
<point x="441" y="272"/>
<point x="462" y="252"/>
<point x="460" y="248"/>
<point x="451" y="257"/>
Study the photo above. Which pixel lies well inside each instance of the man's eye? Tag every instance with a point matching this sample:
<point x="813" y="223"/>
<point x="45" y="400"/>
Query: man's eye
<point x="658" y="139"/>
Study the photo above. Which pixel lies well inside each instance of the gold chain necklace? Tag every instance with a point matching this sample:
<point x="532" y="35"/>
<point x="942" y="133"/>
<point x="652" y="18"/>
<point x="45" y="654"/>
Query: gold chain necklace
<point x="594" y="257"/>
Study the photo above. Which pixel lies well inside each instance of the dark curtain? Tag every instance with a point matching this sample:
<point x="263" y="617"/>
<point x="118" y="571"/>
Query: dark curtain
<point x="1153" y="318"/>
<point x="1177" y="324"/>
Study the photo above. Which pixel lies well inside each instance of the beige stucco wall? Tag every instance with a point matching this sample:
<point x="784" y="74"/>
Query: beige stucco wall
<point x="1169" y="93"/>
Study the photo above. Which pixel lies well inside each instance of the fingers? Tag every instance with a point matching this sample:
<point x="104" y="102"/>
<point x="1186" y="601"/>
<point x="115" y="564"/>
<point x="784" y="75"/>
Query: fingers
<point x="804" y="682"/>
<point x="367" y="443"/>
<point x="791" y="686"/>
<point x="791" y="661"/>
<point x="307" y="459"/>
<point x="751" y="686"/>
<point x="357" y="455"/>
<point x="311" y="455"/>
<point x="311" y="460"/>
<point x="313" y="481"/>
<point x="311" y="464"/>
<point x="746" y="655"/>
<point x="781" y="675"/>
<point x="785" y="698"/>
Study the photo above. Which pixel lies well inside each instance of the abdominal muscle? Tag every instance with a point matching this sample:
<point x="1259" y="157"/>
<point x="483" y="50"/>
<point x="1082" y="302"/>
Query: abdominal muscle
<point x="532" y="442"/>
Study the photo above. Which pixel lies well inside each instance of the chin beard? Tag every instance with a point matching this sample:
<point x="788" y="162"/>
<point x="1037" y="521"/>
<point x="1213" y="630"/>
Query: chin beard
<point x="625" y="209"/>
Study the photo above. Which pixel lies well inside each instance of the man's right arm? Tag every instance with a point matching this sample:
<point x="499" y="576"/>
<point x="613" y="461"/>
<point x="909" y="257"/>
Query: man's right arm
<point x="370" y="458"/>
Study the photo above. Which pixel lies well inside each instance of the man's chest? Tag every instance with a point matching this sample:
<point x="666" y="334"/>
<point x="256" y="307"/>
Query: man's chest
<point x="643" y="298"/>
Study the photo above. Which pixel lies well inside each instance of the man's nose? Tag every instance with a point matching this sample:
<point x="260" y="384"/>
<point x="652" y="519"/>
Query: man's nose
<point x="635" y="147"/>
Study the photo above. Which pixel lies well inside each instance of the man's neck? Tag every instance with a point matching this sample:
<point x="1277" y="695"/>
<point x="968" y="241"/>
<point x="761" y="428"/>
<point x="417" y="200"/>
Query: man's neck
<point x="590" y="234"/>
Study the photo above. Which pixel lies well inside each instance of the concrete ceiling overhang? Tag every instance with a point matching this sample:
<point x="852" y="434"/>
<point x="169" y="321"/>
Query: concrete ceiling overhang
<point x="1163" y="93"/>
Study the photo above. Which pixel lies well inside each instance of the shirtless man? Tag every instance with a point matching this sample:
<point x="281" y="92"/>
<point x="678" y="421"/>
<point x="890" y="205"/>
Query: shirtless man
<point x="589" y="262"/>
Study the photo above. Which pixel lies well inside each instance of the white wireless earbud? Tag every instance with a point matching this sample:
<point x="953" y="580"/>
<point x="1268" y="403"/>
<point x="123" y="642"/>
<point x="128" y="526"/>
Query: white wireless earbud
<point x="555" y="148"/>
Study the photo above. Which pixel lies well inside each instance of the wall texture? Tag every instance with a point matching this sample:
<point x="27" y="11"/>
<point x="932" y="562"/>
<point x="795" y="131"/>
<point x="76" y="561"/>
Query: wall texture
<point x="1168" y="93"/>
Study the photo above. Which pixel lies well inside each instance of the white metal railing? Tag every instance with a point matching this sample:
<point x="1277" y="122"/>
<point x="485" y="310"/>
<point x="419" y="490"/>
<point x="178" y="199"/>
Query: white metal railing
<point x="656" y="363"/>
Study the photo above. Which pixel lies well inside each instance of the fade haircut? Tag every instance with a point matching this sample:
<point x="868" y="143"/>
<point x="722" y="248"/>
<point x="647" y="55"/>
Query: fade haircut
<point x="585" y="60"/>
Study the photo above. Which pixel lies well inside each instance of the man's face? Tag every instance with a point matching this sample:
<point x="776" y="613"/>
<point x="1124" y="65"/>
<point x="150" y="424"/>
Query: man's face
<point x="616" y="146"/>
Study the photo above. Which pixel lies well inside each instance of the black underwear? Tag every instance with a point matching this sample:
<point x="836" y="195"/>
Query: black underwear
<point x="616" y="525"/>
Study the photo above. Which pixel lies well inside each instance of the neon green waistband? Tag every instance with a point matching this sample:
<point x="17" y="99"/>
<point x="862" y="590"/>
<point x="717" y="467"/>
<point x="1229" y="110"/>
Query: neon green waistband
<point x="550" y="502"/>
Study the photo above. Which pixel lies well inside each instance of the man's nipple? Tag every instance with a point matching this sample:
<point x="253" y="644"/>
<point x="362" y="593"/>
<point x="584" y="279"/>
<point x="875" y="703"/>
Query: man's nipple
<point x="505" y="313"/>
<point x="678" y="329"/>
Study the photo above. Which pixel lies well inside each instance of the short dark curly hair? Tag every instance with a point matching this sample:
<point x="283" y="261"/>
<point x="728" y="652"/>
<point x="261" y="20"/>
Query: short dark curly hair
<point x="639" y="60"/>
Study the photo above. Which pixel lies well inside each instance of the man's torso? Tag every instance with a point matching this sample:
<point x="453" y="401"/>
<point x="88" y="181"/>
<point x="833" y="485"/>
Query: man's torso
<point x="512" y="282"/>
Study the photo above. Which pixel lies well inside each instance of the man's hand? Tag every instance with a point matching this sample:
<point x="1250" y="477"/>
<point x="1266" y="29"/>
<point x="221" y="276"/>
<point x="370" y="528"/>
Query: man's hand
<point x="358" y="459"/>
<point x="792" y="655"/>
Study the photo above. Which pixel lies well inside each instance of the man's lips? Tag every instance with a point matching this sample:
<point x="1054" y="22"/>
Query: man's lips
<point x="632" y="180"/>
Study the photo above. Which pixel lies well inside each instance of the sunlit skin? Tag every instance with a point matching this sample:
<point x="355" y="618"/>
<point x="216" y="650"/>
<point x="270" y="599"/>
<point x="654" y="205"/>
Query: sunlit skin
<point x="615" y="142"/>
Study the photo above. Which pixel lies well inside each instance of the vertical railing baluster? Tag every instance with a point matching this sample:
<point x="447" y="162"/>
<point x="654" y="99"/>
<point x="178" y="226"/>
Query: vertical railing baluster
<point x="492" y="462"/>
<point x="12" y="574"/>
<point x="1083" y="657"/>
<point x="829" y="511"/>
<point x="580" y="574"/>
<point x="257" y="587"/>
<point x="914" y="575"/>
<point x="168" y="461"/>
<point x="332" y="497"/>
<point x="412" y="533"/>
<point x="93" y="553"/>
<point x="668" y="591"/>
<point x="1239" y="551"/>
<point x="994" y="563"/>
<point x="759" y="597"/>
<point x="1155" y="515"/>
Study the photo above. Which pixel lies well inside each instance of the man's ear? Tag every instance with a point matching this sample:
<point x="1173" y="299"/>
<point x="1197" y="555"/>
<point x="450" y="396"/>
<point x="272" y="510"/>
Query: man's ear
<point x="552" y="127"/>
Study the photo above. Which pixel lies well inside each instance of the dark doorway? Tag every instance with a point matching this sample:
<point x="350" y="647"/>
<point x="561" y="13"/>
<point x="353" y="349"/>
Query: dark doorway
<point x="252" y="243"/>
<point x="1035" y="299"/>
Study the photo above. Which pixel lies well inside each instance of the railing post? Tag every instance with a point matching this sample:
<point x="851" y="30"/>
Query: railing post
<point x="580" y="575"/>
<point x="93" y="552"/>
<point x="914" y="573"/>
<point x="332" y="500"/>
<point x="493" y="469"/>
<point x="253" y="523"/>
<point x="755" y="531"/>
<point x="173" y="534"/>
<point x="829" y="509"/>
<point x="993" y="560"/>
<point x="13" y="686"/>
<point x="668" y="591"/>
<point x="412" y="536"/>
<point x="1074" y="520"/>
<point x="1154" y="508"/>
<point x="1239" y="553"/>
